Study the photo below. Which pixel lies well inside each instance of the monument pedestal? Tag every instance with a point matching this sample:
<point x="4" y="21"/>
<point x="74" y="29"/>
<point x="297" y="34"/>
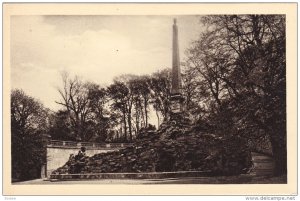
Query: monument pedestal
<point x="177" y="111"/>
<point x="176" y="103"/>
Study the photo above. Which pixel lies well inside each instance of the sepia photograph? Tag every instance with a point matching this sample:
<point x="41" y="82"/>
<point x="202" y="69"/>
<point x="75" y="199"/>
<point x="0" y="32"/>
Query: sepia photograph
<point x="148" y="99"/>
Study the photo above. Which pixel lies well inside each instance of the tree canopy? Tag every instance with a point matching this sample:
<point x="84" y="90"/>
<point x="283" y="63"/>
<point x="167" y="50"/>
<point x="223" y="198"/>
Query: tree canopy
<point x="241" y="62"/>
<point x="29" y="121"/>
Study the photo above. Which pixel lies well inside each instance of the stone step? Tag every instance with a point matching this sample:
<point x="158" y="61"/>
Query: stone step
<point x="259" y="157"/>
<point x="147" y="175"/>
<point x="263" y="164"/>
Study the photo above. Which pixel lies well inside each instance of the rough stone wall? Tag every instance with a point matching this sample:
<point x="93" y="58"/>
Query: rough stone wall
<point x="174" y="147"/>
<point x="57" y="156"/>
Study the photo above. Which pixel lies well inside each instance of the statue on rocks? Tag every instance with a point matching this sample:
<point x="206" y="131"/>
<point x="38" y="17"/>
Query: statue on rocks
<point x="78" y="161"/>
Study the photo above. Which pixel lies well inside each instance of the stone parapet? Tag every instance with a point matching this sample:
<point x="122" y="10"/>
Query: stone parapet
<point x="87" y="145"/>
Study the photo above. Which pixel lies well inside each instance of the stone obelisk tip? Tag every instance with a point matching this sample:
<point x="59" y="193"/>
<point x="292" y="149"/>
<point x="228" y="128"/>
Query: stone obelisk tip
<point x="175" y="20"/>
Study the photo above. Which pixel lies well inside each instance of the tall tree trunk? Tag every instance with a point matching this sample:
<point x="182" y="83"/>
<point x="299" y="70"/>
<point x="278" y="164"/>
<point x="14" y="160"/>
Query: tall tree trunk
<point x="146" y="112"/>
<point x="78" y="133"/>
<point x="157" y="115"/>
<point x="137" y="120"/>
<point x="129" y="125"/>
<point x="125" y="126"/>
<point x="117" y="136"/>
<point x="143" y="117"/>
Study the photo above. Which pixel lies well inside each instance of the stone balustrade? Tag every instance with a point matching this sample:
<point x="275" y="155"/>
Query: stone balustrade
<point x="87" y="145"/>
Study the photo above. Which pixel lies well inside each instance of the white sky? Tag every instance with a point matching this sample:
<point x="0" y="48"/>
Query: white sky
<point x="96" y="48"/>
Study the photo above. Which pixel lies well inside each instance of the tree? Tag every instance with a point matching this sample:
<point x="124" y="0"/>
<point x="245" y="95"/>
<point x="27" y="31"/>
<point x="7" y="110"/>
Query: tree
<point x="118" y="93"/>
<point x="74" y="94"/>
<point x="60" y="126"/>
<point x="196" y="93"/>
<point x="74" y="99"/>
<point x="29" y="120"/>
<point x="131" y="97"/>
<point x="101" y="117"/>
<point x="86" y="105"/>
<point x="242" y="58"/>
<point x="160" y="85"/>
<point x="140" y="88"/>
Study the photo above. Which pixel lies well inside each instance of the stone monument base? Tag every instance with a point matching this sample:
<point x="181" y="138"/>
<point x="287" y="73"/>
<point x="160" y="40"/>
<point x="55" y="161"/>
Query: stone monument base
<point x="175" y="147"/>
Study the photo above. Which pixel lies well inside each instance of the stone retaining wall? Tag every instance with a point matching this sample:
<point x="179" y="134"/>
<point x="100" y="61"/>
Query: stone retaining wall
<point x="58" y="152"/>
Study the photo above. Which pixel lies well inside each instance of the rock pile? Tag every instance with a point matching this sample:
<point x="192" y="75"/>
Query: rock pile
<point x="175" y="146"/>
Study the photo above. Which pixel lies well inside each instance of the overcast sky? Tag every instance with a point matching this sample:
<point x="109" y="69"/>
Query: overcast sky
<point x="96" y="48"/>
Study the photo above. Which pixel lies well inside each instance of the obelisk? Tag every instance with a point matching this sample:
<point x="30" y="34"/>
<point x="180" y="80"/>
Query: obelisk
<point x="176" y="76"/>
<point x="176" y="99"/>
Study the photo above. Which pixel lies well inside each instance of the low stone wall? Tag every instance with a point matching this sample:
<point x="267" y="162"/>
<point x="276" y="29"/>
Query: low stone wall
<point x="58" y="152"/>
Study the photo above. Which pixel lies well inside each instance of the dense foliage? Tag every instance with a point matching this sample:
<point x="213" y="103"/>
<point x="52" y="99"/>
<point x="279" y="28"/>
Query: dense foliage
<point x="240" y="62"/>
<point x="28" y="126"/>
